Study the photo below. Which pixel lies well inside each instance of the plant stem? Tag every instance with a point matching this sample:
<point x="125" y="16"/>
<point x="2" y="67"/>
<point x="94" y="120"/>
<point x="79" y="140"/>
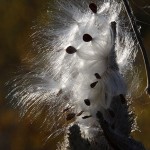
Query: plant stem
<point x="140" y="42"/>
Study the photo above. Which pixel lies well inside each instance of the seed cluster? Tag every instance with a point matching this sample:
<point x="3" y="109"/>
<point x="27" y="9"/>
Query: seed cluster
<point x="71" y="50"/>
<point x="86" y="37"/>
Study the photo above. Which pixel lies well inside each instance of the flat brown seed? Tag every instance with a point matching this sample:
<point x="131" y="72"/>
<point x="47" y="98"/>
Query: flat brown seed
<point x="93" y="84"/>
<point x="80" y="113"/>
<point x="87" y="102"/>
<point x="93" y="7"/>
<point x="86" y="117"/>
<point x="66" y="109"/>
<point x="60" y="92"/>
<point x="71" y="50"/>
<point x="97" y="76"/>
<point x="70" y="116"/>
<point x="87" y="38"/>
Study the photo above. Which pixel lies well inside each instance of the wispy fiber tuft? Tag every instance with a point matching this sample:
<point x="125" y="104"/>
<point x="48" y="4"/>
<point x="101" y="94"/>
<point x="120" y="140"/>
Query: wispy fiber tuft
<point x="85" y="52"/>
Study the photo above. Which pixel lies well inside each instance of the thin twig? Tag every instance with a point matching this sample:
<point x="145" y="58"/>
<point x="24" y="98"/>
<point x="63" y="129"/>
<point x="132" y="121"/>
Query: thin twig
<point x="139" y="39"/>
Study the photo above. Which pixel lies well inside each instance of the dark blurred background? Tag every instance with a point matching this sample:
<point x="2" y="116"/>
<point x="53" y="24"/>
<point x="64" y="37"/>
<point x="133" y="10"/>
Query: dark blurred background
<point x="17" y="17"/>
